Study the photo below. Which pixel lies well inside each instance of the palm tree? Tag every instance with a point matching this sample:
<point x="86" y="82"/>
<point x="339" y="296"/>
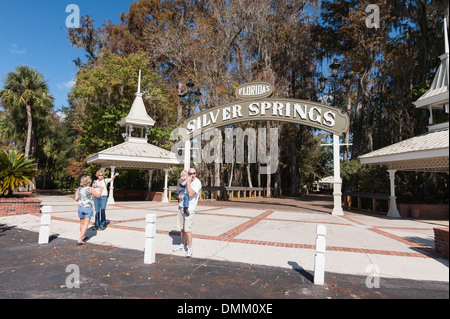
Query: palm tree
<point x="25" y="93"/>
<point x="15" y="171"/>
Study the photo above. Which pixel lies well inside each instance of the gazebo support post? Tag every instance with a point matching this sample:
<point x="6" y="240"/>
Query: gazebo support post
<point x="393" y="211"/>
<point x="111" y="188"/>
<point x="337" y="183"/>
<point x="165" y="198"/>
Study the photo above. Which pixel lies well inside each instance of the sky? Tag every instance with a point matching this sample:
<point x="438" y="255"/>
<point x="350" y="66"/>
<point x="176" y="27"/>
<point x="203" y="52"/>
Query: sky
<point x="32" y="33"/>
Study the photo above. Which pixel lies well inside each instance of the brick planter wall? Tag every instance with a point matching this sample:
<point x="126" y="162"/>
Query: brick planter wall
<point x="441" y="242"/>
<point x="19" y="206"/>
<point x="424" y="211"/>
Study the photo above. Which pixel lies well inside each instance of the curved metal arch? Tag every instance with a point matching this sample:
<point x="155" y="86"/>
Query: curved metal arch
<point x="320" y="116"/>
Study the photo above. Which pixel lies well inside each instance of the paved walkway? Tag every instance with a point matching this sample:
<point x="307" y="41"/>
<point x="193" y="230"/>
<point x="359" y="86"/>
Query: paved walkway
<point x="278" y="233"/>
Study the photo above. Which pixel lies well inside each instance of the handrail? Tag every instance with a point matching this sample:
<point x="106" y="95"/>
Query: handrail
<point x="214" y="193"/>
<point x="359" y="195"/>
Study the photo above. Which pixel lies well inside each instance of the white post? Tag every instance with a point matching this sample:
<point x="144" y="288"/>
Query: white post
<point x="337" y="183"/>
<point x="150" y="233"/>
<point x="111" y="188"/>
<point x="187" y="154"/>
<point x="393" y="211"/>
<point x="165" y="198"/>
<point x="319" y="260"/>
<point x="44" y="231"/>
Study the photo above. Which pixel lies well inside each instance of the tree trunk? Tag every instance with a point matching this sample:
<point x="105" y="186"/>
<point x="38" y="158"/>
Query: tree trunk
<point x="268" y="183"/>
<point x="269" y="176"/>
<point x="29" y="132"/>
<point x="258" y="181"/>
<point x="347" y="134"/>
<point x="300" y="170"/>
<point x="361" y="99"/>
<point x="180" y="107"/>
<point x="294" y="186"/>
<point x="249" y="176"/>
<point x="231" y="174"/>
<point x="217" y="176"/>
<point x="357" y="127"/>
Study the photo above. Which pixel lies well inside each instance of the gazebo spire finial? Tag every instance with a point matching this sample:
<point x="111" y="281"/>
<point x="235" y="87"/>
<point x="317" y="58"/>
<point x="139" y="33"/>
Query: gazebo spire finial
<point x="138" y="117"/>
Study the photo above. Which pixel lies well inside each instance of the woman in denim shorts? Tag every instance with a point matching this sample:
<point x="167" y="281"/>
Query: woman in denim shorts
<point x="100" y="185"/>
<point x="84" y="195"/>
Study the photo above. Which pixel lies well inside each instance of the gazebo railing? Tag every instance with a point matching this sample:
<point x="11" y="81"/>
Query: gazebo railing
<point x="374" y="206"/>
<point x="215" y="193"/>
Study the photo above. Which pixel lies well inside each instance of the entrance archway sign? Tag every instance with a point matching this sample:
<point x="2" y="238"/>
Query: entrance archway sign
<point x="257" y="104"/>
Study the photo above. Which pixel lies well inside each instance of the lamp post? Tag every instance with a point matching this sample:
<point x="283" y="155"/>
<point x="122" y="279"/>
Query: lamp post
<point x="322" y="82"/>
<point x="347" y="79"/>
<point x="334" y="74"/>
<point x="190" y="97"/>
<point x="337" y="183"/>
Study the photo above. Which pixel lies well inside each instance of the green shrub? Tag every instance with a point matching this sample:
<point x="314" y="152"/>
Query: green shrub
<point x="15" y="171"/>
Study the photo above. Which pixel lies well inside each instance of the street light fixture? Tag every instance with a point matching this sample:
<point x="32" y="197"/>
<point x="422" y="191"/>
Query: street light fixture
<point x="335" y="68"/>
<point x="322" y="82"/>
<point x="190" y="97"/>
<point x="190" y="84"/>
<point x="347" y="79"/>
<point x="335" y="73"/>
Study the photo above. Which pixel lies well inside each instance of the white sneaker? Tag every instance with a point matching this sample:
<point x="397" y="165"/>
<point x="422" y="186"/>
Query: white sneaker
<point x="189" y="253"/>
<point x="180" y="248"/>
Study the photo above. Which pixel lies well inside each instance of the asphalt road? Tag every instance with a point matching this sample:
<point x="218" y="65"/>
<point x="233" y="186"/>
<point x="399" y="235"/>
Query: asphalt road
<point x="29" y="270"/>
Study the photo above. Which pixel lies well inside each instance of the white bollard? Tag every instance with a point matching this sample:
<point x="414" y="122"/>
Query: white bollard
<point x="150" y="233"/>
<point x="319" y="260"/>
<point x="44" y="231"/>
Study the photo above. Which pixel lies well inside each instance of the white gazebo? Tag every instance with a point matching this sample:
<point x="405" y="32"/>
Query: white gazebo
<point x="136" y="152"/>
<point x="324" y="183"/>
<point x="425" y="153"/>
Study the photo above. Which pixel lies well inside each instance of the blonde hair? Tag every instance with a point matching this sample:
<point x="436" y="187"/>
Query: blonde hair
<point x="99" y="172"/>
<point x="85" y="181"/>
<point x="183" y="173"/>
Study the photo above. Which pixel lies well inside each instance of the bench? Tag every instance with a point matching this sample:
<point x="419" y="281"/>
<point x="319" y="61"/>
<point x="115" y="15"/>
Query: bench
<point x="374" y="207"/>
<point x="211" y="193"/>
